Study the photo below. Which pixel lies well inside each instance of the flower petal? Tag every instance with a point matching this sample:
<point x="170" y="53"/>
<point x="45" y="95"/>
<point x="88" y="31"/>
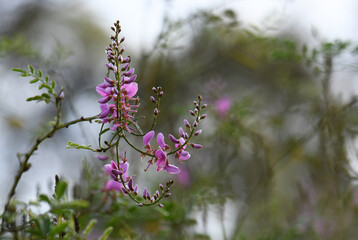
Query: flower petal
<point x="114" y="185"/>
<point x="160" y="140"/>
<point x="172" y="169"/>
<point x="148" y="137"/>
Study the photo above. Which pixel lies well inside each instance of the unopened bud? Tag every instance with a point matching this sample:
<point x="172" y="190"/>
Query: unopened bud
<point x="140" y="204"/>
<point x="195" y="124"/>
<point x="122" y="39"/>
<point x="130" y="184"/>
<point x="122" y="50"/>
<point x="153" y="99"/>
<point x="168" y="195"/>
<point x="191" y="112"/>
<point x="161" y="93"/>
<point x="154" y="89"/>
<point x="199" y="97"/>
<point x="120" y="58"/>
<point x="125" y="66"/>
<point x="195" y="145"/>
<point x="198" y="132"/>
<point x="186" y="123"/>
<point x="124" y="190"/>
<point x="156" y="111"/>
<point x="173" y="139"/>
<point x="160" y="205"/>
<point x="204" y="106"/>
<point x="161" y="186"/>
<point x="203" y="116"/>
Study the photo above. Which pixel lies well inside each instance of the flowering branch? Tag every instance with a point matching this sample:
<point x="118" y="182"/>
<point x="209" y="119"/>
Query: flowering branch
<point x="118" y="108"/>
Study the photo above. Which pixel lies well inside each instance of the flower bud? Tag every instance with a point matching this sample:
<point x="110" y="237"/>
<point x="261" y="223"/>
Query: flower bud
<point x="130" y="184"/>
<point x="124" y="190"/>
<point x="186" y="123"/>
<point x="160" y="205"/>
<point x="186" y="136"/>
<point x="191" y="112"/>
<point x="199" y="97"/>
<point x="145" y="193"/>
<point x="129" y="72"/>
<point x="204" y="106"/>
<point x="156" y="111"/>
<point x="167" y="195"/>
<point x="120" y="58"/>
<point x="198" y="132"/>
<point x="125" y="66"/>
<point x="153" y="99"/>
<point x="102" y="157"/>
<point x="203" y="116"/>
<point x="126" y="60"/>
<point x="181" y="132"/>
<point x="122" y="50"/>
<point x="122" y="39"/>
<point x="140" y="204"/>
<point x="195" y="145"/>
<point x="161" y="186"/>
<point x="154" y="89"/>
<point x="161" y="93"/>
<point x="195" y="124"/>
<point x="173" y="139"/>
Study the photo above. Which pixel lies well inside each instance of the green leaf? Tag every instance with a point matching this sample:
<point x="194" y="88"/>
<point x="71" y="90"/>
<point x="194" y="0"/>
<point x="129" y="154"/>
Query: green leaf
<point x="103" y="131"/>
<point x="89" y="227"/>
<point x="60" y="189"/>
<point x="44" y="198"/>
<point x="53" y="84"/>
<point x="35" y="98"/>
<point x="40" y="74"/>
<point x="34" y="80"/>
<point x="44" y="86"/>
<point x="77" y="146"/>
<point x="31" y="68"/>
<point x="75" y="204"/>
<point x="45" y="95"/>
<point x="18" y="70"/>
<point x="58" y="229"/>
<point x="106" y="233"/>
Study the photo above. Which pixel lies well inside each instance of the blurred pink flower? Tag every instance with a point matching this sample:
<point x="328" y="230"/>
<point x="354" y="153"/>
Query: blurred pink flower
<point x="223" y="105"/>
<point x="184" y="177"/>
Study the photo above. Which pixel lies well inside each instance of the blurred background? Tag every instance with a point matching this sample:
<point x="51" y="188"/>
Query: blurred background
<point x="280" y="77"/>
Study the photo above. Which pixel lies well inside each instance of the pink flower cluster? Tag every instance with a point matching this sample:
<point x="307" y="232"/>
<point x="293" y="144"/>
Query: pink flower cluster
<point x="118" y="104"/>
<point x="159" y="156"/>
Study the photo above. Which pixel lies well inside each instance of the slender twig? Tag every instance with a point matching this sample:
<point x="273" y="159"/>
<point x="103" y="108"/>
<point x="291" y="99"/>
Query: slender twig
<point x="24" y="165"/>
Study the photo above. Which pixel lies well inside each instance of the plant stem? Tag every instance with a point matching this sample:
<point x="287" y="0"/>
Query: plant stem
<point x="24" y="165"/>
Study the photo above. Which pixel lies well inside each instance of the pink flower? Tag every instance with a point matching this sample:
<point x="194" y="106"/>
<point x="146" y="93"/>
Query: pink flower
<point x="184" y="177"/>
<point x="113" y="185"/>
<point x="223" y="105"/>
<point x="148" y="137"/>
